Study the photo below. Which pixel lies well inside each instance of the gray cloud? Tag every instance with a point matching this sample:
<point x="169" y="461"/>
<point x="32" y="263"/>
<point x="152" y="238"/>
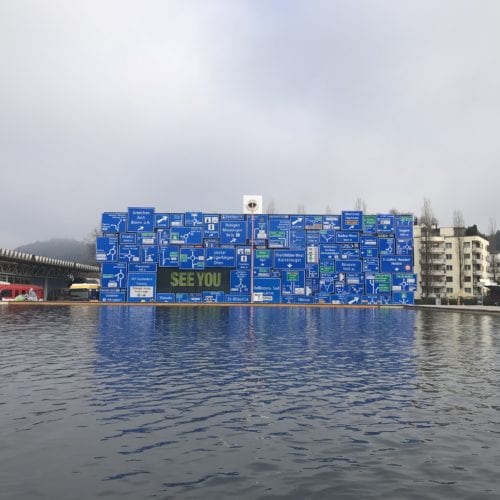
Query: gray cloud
<point x="188" y="105"/>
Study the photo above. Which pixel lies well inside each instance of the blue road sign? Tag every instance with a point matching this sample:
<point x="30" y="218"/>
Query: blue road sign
<point x="141" y="287"/>
<point x="186" y="236"/>
<point x="192" y="258"/>
<point x="243" y="257"/>
<point x="141" y="219"/>
<point x="297" y="222"/>
<point x="371" y="265"/>
<point x="165" y="297"/>
<point x="113" y="222"/>
<point x="396" y="263"/>
<point x="327" y="236"/>
<point x="403" y="298"/>
<point x="403" y="220"/>
<point x="142" y="268"/>
<point x="267" y="290"/>
<point x="329" y="252"/>
<point x="279" y="223"/>
<point x="169" y="256"/>
<point x="149" y="254"/>
<point x="348" y="266"/>
<point x="233" y="232"/>
<point x="240" y="281"/>
<point x="297" y="239"/>
<point x="176" y="220"/>
<point x="312" y="270"/>
<point x="313" y="222"/>
<point x="369" y="253"/>
<point x="326" y="268"/>
<point x="106" y="249"/>
<point x="386" y="245"/>
<point x="182" y="297"/>
<point x="352" y="220"/>
<point x="404" y="282"/>
<point x="260" y="227"/>
<point x="220" y="257"/>
<point x="312" y="238"/>
<point x="377" y="283"/>
<point x="369" y="241"/>
<point x="128" y="238"/>
<point x="147" y="238"/>
<point x="130" y="253"/>
<point x="404" y="232"/>
<point x="193" y="219"/>
<point x="114" y="275"/>
<point x="349" y="253"/>
<point x="263" y="258"/>
<point x="347" y="236"/>
<point x="213" y="297"/>
<point x="369" y="224"/>
<point x="232" y="217"/>
<point x="332" y="222"/>
<point x="385" y="223"/>
<point x="289" y="259"/>
<point x="112" y="295"/>
<point x="404" y="246"/>
<point x="211" y="225"/>
<point x="237" y="298"/>
<point x="162" y="220"/>
<point x="293" y="283"/>
<point x="279" y="238"/>
<point x="163" y="236"/>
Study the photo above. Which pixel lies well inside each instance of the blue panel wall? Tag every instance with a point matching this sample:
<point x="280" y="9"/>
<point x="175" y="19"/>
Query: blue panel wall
<point x="349" y="258"/>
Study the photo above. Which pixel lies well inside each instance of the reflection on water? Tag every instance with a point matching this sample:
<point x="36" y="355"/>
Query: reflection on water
<point x="250" y="402"/>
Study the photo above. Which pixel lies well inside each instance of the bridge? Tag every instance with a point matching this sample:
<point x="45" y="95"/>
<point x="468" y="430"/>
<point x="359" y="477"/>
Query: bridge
<point x="53" y="274"/>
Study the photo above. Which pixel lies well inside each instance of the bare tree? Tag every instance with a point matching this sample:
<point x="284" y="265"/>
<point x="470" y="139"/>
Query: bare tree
<point x="427" y="220"/>
<point x="271" y="207"/>
<point x="360" y="204"/>
<point x="394" y="211"/>
<point x="301" y="209"/>
<point x="90" y="241"/>
<point x="459" y="233"/>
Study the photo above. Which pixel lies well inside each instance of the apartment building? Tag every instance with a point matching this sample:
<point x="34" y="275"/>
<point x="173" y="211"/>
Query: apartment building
<point x="450" y="265"/>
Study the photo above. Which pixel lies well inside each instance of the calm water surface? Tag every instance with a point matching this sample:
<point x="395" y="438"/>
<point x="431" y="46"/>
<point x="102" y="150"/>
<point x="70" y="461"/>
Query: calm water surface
<point x="145" y="402"/>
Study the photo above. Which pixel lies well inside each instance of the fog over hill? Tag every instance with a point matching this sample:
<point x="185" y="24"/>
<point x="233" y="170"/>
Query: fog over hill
<point x="62" y="248"/>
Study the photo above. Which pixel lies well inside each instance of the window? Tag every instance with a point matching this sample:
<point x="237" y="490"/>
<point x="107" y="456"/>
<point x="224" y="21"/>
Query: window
<point x="467" y="267"/>
<point x="449" y="256"/>
<point x="6" y="293"/>
<point x="449" y="268"/>
<point x="468" y="290"/>
<point x="449" y="290"/>
<point x="449" y="279"/>
<point x="466" y="255"/>
<point x="467" y="244"/>
<point x="448" y="245"/>
<point x="437" y="290"/>
<point x="467" y="279"/>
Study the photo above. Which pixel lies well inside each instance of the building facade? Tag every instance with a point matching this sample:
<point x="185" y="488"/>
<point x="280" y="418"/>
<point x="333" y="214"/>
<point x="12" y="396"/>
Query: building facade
<point x="450" y="264"/>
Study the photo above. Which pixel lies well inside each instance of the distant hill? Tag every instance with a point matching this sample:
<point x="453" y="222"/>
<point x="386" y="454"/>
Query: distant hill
<point x="62" y="248"/>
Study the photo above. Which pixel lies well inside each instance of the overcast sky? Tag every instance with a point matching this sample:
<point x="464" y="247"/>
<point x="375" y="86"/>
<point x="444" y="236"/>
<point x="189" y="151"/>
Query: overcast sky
<point x="188" y="105"/>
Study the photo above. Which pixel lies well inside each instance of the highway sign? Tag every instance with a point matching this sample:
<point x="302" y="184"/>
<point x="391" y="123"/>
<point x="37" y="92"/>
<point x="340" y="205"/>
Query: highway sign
<point x="404" y="282"/>
<point x="192" y="258"/>
<point x="396" y="263"/>
<point x="267" y="290"/>
<point x="176" y="220"/>
<point x="128" y="238"/>
<point x="232" y="217"/>
<point x="147" y="238"/>
<point x="369" y="224"/>
<point x="211" y="226"/>
<point x="114" y="275"/>
<point x="403" y="220"/>
<point x="141" y="219"/>
<point x="163" y="236"/>
<point x="327" y="236"/>
<point x="404" y="246"/>
<point x="371" y="265"/>
<point x="263" y="258"/>
<point x="352" y="220"/>
<point x="169" y="256"/>
<point x="369" y="241"/>
<point x="106" y="249"/>
<point x="329" y="252"/>
<point x="326" y="285"/>
<point x="141" y="287"/>
<point x="130" y="253"/>
<point x="297" y="222"/>
<point x="312" y="270"/>
<point x="112" y="295"/>
<point x="162" y="220"/>
<point x="313" y="222"/>
<point x="349" y="253"/>
<point x="292" y="283"/>
<point x="260" y="227"/>
<point x="165" y="297"/>
<point x="386" y="246"/>
<point x="312" y="238"/>
<point x="403" y="232"/>
<point x="289" y="259"/>
<point x="348" y="266"/>
<point x="377" y="283"/>
<point x="193" y="219"/>
<point x="186" y="236"/>
<point x="403" y="298"/>
<point x="213" y="297"/>
<point x="237" y="298"/>
<point x="297" y="239"/>
<point x="347" y="236"/>
<point x="149" y="254"/>
<point x="278" y="239"/>
<point x="332" y="222"/>
<point x="240" y="281"/>
<point x="142" y="268"/>
<point x="385" y="223"/>
<point x="243" y="257"/>
<point x="233" y="232"/>
<point x="369" y="253"/>
<point x="220" y="257"/>
<point x="326" y="268"/>
<point x="113" y="222"/>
